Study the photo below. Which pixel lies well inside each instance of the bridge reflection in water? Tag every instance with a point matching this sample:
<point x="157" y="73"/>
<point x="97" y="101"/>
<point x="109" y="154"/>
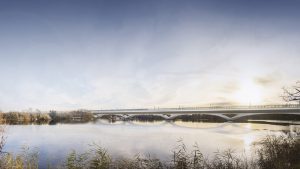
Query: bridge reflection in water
<point x="224" y="127"/>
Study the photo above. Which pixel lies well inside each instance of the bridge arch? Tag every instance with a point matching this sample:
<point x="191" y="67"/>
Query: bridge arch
<point x="172" y="117"/>
<point x="128" y="116"/>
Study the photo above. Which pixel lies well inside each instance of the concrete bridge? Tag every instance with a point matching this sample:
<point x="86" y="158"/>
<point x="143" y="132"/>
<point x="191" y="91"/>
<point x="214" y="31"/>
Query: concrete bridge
<point x="218" y="111"/>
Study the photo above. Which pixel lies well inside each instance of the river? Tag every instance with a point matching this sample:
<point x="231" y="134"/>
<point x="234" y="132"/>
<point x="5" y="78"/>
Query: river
<point x="129" y="138"/>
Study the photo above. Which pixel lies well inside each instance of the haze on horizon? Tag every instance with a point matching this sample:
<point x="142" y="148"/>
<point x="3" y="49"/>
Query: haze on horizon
<point x="129" y="54"/>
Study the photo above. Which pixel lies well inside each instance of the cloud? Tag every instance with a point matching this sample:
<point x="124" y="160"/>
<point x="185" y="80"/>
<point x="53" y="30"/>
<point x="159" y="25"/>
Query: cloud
<point x="268" y="79"/>
<point x="229" y="88"/>
<point x="161" y="57"/>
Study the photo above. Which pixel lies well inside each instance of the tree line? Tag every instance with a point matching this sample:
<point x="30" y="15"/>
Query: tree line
<point x="44" y="118"/>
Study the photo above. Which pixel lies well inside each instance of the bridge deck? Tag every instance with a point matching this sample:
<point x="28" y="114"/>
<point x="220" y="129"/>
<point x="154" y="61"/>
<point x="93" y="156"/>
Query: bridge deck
<point x="274" y="109"/>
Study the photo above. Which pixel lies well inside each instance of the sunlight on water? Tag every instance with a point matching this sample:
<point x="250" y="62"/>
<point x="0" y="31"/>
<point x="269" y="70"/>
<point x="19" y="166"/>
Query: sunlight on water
<point x="248" y="141"/>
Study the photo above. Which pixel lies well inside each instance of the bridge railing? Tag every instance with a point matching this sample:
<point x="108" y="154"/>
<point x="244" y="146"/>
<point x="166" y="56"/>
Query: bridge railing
<point x="238" y="107"/>
<point x="235" y="107"/>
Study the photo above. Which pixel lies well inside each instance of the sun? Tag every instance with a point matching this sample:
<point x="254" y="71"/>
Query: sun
<point x="248" y="93"/>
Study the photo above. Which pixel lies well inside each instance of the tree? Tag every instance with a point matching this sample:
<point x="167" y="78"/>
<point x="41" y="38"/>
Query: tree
<point x="292" y="93"/>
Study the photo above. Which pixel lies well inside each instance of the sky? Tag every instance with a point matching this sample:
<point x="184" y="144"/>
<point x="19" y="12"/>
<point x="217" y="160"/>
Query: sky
<point x="93" y="54"/>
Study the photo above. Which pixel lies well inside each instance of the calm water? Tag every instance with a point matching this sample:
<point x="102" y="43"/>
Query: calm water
<point x="132" y="138"/>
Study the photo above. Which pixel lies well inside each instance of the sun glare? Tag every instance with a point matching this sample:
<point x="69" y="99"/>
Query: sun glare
<point x="248" y="93"/>
<point x="248" y="141"/>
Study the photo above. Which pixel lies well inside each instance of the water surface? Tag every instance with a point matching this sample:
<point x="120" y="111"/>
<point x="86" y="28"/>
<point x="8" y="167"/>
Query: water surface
<point x="130" y="138"/>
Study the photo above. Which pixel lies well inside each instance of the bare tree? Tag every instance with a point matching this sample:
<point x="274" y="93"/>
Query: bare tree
<point x="292" y="93"/>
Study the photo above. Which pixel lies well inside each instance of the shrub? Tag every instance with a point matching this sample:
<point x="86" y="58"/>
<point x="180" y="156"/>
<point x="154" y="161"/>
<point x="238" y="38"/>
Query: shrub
<point x="27" y="159"/>
<point x="12" y="117"/>
<point x="278" y="153"/>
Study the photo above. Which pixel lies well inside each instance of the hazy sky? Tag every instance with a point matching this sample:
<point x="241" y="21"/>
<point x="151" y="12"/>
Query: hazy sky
<point x="144" y="53"/>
